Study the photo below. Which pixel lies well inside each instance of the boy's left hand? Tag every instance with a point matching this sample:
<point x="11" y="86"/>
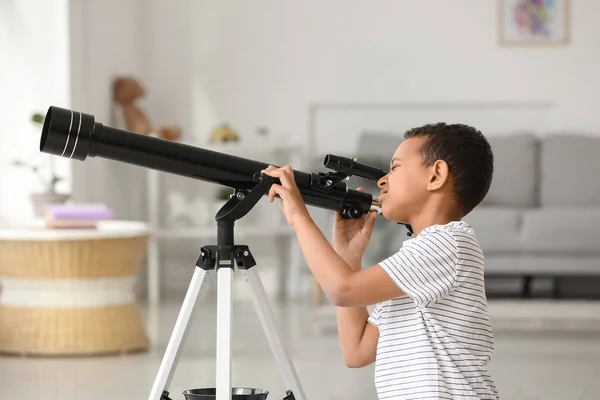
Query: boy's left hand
<point x="291" y="202"/>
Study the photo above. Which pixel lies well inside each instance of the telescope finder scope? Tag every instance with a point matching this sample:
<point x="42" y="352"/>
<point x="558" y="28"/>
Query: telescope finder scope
<point x="351" y="166"/>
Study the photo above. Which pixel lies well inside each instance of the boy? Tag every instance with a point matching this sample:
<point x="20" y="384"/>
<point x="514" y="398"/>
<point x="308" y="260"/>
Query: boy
<point x="429" y="333"/>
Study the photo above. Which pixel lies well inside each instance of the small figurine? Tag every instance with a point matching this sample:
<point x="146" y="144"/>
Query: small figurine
<point x="224" y="133"/>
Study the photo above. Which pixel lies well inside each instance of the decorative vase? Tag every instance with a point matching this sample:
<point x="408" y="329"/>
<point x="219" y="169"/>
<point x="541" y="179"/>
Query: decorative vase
<point x="40" y="201"/>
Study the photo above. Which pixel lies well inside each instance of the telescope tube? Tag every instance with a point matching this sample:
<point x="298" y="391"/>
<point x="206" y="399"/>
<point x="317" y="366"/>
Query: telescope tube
<point x="76" y="135"/>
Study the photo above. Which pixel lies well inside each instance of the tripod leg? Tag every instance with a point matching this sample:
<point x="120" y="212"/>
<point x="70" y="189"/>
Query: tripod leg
<point x="273" y="334"/>
<point x="178" y="337"/>
<point x="224" y="322"/>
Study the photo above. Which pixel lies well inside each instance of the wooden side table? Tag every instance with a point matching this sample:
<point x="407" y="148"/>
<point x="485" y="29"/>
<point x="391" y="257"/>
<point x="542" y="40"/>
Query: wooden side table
<point x="71" y="292"/>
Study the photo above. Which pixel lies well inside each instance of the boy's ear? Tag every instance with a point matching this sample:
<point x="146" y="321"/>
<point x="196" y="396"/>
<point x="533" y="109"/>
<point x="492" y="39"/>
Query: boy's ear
<point x="439" y="172"/>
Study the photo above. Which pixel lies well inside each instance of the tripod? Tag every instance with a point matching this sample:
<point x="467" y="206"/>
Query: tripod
<point x="223" y="257"/>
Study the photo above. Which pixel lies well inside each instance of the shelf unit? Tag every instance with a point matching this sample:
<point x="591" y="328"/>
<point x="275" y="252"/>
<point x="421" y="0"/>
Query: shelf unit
<point x="259" y="150"/>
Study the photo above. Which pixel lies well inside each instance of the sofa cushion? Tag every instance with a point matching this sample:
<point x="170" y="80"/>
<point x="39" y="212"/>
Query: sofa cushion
<point x="562" y="230"/>
<point x="496" y="228"/>
<point x="515" y="170"/>
<point x="570" y="167"/>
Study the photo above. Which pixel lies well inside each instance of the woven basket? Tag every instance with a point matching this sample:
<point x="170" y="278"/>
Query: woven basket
<point x="70" y="297"/>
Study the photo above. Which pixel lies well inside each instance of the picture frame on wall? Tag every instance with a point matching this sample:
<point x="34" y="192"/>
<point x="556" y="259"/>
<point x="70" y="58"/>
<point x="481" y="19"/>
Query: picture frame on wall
<point x="534" y="22"/>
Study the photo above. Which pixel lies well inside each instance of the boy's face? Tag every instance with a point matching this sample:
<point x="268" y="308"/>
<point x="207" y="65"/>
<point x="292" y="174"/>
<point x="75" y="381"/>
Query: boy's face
<point x="404" y="188"/>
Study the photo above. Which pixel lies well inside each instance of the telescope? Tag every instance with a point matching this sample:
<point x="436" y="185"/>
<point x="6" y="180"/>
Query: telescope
<point x="77" y="135"/>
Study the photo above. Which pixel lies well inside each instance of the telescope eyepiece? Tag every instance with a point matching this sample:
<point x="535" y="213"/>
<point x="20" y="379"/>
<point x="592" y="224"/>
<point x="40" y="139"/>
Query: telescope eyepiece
<point x="67" y="133"/>
<point x="339" y="164"/>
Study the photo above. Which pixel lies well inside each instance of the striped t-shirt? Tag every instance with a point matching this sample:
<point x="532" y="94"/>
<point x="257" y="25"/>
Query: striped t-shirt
<point x="435" y="342"/>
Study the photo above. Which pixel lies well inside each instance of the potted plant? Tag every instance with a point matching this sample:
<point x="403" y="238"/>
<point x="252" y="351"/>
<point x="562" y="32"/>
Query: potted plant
<point x="48" y="177"/>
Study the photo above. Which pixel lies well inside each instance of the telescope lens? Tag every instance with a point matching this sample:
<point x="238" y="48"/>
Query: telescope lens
<point x="67" y="133"/>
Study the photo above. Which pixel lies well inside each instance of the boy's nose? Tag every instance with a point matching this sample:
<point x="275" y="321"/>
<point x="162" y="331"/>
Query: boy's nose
<point x="381" y="182"/>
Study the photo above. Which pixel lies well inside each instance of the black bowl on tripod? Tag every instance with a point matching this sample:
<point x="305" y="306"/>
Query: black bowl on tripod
<point x="238" y="393"/>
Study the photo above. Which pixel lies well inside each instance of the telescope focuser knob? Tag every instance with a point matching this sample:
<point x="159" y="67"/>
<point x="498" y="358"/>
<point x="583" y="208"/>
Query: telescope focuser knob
<point x="351" y="213"/>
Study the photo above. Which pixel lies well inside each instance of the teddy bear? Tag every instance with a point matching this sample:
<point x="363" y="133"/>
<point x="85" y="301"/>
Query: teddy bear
<point x="126" y="92"/>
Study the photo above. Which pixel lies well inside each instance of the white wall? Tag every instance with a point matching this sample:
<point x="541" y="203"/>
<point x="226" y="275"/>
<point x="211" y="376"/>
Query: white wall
<point x="265" y="62"/>
<point x="109" y="40"/>
<point x="66" y="53"/>
<point x="34" y="74"/>
<point x="149" y="40"/>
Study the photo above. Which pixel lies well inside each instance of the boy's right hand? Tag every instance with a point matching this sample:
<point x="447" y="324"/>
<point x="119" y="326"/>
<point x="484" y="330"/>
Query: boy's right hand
<point x="351" y="236"/>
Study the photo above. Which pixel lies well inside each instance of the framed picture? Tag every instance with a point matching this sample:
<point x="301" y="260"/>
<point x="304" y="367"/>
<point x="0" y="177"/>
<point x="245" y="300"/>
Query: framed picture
<point x="534" y="22"/>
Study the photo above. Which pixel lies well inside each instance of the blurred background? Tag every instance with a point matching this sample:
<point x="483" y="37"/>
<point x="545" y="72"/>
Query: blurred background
<point x="96" y="255"/>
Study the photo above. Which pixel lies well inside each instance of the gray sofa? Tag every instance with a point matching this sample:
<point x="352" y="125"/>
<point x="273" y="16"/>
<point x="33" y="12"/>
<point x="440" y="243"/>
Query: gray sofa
<point x="540" y="219"/>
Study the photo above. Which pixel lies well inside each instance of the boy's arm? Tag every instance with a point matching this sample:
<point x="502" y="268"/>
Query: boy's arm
<point x="426" y="273"/>
<point x="342" y="285"/>
<point x="358" y="337"/>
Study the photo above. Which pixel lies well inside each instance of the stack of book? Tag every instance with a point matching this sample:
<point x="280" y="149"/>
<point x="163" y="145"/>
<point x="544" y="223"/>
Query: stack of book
<point x="76" y="216"/>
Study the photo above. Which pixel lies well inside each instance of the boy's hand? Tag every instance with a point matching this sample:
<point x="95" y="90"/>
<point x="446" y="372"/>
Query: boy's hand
<point x="291" y="202"/>
<point x="351" y="236"/>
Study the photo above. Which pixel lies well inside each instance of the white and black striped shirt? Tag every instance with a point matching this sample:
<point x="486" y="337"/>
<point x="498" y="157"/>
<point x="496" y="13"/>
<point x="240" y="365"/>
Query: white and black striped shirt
<point x="435" y="342"/>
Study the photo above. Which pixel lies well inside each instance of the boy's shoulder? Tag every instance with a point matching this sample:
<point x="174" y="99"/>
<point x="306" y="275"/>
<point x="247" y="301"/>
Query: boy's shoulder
<point x="431" y="265"/>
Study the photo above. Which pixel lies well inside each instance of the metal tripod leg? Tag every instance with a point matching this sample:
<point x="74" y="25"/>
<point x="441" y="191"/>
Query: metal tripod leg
<point x="178" y="337"/>
<point x="273" y="334"/>
<point x="224" y="322"/>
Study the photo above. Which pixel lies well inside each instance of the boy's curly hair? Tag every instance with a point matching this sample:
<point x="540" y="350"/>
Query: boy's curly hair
<point x="468" y="155"/>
